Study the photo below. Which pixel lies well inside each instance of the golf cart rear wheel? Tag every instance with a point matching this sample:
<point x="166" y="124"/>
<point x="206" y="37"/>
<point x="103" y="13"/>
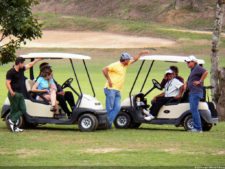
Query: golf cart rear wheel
<point x="206" y="126"/>
<point x="87" y="123"/>
<point x="20" y="122"/>
<point x="122" y="121"/>
<point x="188" y="123"/>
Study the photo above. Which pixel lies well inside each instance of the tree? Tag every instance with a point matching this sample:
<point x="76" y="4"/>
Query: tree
<point x="218" y="74"/>
<point x="17" y="25"/>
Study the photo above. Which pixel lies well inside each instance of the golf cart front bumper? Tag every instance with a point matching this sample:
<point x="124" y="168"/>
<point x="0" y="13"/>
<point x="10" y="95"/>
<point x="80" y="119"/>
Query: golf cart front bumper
<point x="215" y="121"/>
<point x="102" y="117"/>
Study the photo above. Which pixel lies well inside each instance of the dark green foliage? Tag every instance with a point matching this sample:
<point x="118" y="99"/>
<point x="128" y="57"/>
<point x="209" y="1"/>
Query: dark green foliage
<point x="17" y="24"/>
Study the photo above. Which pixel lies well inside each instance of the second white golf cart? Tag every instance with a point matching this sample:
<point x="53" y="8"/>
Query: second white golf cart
<point x="88" y="113"/>
<point x="177" y="113"/>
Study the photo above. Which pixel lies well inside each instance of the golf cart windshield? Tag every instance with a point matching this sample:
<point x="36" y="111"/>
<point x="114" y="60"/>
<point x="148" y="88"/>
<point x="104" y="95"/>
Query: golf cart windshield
<point x="69" y="56"/>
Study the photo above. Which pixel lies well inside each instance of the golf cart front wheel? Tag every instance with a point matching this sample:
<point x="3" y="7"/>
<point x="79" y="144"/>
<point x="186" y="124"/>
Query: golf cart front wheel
<point x="19" y="123"/>
<point x="188" y="123"/>
<point x="87" y="123"/>
<point x="122" y="121"/>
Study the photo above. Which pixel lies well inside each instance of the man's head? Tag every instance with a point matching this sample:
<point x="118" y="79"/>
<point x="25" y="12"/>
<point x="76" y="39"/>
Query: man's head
<point x="125" y="58"/>
<point x="191" y="61"/>
<point x="175" y="70"/>
<point x="19" y="62"/>
<point x="169" y="74"/>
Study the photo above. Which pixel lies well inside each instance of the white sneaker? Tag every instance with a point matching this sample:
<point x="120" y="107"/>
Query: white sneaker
<point x="17" y="129"/>
<point x="149" y="118"/>
<point x="11" y="125"/>
<point x="146" y="112"/>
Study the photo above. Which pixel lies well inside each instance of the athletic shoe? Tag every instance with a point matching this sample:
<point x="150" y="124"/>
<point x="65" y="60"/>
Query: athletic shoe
<point x="11" y="125"/>
<point x="149" y="117"/>
<point x="146" y="112"/>
<point x="17" y="129"/>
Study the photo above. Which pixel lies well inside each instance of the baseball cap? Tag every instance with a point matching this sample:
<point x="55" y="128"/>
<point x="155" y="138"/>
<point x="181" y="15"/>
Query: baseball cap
<point x="169" y="71"/>
<point x="125" y="56"/>
<point x="191" y="58"/>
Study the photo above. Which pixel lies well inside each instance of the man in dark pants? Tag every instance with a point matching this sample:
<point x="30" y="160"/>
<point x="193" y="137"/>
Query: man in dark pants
<point x="173" y="91"/>
<point x="62" y="96"/>
<point x="15" y="83"/>
<point x="195" y="86"/>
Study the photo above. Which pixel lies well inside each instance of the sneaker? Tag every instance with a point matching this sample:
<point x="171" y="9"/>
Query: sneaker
<point x="195" y="131"/>
<point x="17" y="129"/>
<point x="149" y="117"/>
<point x="11" y="125"/>
<point x="146" y="112"/>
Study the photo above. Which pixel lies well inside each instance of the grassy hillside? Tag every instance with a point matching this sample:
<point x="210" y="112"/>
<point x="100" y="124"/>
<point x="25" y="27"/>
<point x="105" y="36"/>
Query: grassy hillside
<point x="151" y="11"/>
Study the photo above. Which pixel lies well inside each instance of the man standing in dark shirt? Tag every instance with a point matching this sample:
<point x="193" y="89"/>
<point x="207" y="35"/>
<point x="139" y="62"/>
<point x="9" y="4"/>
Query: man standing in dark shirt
<point x="15" y="83"/>
<point x="195" y="86"/>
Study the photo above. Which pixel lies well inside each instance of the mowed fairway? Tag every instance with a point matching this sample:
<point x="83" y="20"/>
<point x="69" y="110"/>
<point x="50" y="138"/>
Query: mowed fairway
<point x="150" y="145"/>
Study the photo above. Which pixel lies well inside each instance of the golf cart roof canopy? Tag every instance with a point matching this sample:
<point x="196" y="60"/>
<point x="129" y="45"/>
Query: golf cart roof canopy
<point x="55" y="56"/>
<point x="168" y="58"/>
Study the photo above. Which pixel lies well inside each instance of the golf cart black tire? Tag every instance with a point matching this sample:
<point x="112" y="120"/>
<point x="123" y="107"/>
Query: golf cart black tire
<point x="91" y="119"/>
<point x="134" y="125"/>
<point x="118" y="119"/>
<point x="188" y="122"/>
<point x="206" y="126"/>
<point x="21" y="122"/>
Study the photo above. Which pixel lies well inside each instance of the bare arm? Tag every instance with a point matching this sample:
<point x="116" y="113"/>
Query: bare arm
<point x="8" y="85"/>
<point x="105" y="72"/>
<point x="29" y="65"/>
<point x="142" y="53"/>
<point x="181" y="91"/>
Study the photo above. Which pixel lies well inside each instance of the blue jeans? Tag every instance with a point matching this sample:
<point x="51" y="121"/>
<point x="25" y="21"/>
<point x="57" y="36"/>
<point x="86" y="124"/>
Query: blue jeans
<point x="194" y="99"/>
<point x="113" y="98"/>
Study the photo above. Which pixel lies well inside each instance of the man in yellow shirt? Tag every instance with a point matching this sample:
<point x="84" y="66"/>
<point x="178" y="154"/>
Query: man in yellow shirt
<point x="115" y="75"/>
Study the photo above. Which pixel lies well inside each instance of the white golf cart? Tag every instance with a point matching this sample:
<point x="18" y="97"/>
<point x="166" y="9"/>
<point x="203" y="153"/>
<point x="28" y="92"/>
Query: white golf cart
<point x="177" y="113"/>
<point x="88" y="113"/>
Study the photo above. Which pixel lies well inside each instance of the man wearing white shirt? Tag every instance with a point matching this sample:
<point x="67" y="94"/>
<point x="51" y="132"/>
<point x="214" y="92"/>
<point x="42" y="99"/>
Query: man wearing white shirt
<point x="173" y="91"/>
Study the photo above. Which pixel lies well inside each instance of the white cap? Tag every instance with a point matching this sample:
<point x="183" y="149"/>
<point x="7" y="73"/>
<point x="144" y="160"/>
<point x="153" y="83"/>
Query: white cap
<point x="169" y="71"/>
<point x="191" y="58"/>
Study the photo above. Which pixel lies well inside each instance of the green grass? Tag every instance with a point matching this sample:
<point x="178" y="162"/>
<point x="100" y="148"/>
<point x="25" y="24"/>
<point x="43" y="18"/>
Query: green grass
<point x="151" y="145"/>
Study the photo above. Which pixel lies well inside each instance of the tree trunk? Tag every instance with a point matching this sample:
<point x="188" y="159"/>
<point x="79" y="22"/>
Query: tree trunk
<point x="221" y="102"/>
<point x="215" y="44"/>
<point x="216" y="76"/>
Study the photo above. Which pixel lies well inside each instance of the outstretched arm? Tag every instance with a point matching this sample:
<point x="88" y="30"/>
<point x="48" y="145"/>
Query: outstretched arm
<point x="29" y="65"/>
<point x="142" y="53"/>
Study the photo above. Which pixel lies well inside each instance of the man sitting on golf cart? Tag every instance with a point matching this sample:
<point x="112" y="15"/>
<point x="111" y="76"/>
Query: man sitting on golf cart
<point x="173" y="91"/>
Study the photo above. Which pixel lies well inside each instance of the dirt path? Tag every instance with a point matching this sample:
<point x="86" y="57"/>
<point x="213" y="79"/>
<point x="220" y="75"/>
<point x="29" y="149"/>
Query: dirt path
<point x="64" y="39"/>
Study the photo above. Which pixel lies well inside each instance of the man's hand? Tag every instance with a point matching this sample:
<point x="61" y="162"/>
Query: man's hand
<point x="12" y="93"/>
<point x="196" y="83"/>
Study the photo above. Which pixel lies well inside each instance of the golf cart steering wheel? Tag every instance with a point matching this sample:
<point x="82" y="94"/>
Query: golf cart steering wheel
<point x="156" y="84"/>
<point x="67" y="83"/>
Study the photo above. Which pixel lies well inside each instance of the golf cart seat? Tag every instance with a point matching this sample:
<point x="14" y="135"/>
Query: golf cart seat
<point x="32" y="95"/>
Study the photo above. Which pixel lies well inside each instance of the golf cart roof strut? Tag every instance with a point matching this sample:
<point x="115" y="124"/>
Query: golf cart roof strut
<point x="149" y="70"/>
<point x="137" y="77"/>
<point x="71" y="61"/>
<point x="89" y="78"/>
